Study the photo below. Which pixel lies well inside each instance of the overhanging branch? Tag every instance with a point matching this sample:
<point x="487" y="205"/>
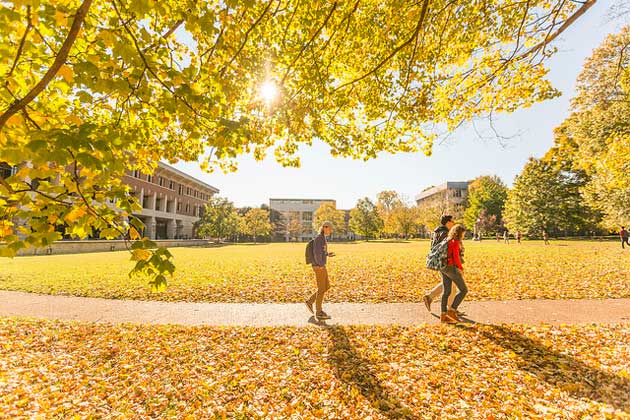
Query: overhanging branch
<point x="60" y="59"/>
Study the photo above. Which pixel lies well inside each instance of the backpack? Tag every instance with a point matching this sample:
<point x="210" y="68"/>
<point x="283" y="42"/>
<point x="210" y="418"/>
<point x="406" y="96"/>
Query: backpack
<point x="308" y="255"/>
<point x="437" y="258"/>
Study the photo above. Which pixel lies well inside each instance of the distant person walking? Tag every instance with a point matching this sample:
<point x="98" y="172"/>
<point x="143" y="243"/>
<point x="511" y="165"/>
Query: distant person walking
<point x="319" y="255"/>
<point x="519" y="236"/>
<point x="545" y="237"/>
<point x="453" y="274"/>
<point x="506" y="236"/>
<point x="624" y="235"/>
<point x="440" y="234"/>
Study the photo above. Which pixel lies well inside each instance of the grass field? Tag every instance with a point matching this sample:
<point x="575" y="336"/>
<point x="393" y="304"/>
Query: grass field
<point x="52" y="369"/>
<point x="361" y="272"/>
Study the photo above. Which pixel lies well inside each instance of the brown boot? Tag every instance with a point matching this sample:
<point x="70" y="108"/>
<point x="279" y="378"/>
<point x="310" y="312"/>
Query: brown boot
<point x="452" y="313"/>
<point x="445" y="318"/>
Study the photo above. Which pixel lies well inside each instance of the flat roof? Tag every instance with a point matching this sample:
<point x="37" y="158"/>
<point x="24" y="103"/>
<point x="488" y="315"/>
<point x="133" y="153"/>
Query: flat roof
<point x="457" y="185"/>
<point x="186" y="176"/>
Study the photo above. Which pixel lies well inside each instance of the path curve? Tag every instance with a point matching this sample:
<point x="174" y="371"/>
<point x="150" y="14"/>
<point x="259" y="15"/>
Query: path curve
<point x="578" y="311"/>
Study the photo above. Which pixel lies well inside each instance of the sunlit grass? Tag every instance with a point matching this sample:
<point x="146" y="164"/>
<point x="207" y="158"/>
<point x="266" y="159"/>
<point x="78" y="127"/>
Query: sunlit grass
<point x="361" y="272"/>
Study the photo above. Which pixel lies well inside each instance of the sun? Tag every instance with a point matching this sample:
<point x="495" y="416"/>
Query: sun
<point x="269" y="91"/>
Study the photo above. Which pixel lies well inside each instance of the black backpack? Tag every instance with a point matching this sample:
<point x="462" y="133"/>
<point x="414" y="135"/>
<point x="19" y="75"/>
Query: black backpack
<point x="308" y="254"/>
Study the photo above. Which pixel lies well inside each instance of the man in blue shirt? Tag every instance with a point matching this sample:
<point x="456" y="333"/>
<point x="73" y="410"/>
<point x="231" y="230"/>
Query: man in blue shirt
<point x="320" y="254"/>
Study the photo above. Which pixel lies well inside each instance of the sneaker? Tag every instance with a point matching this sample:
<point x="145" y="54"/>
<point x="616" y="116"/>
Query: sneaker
<point x="446" y="319"/>
<point x="427" y="302"/>
<point x="309" y="306"/>
<point x="322" y="315"/>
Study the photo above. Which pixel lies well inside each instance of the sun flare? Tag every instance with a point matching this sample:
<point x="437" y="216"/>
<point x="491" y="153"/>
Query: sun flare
<point x="268" y="91"/>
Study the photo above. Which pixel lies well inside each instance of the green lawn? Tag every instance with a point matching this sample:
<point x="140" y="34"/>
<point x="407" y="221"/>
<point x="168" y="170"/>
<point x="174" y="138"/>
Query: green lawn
<point x="361" y="272"/>
<point x="66" y="370"/>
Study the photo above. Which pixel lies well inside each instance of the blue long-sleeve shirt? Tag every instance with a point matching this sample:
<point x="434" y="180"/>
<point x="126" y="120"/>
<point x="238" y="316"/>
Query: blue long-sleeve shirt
<point x="320" y="251"/>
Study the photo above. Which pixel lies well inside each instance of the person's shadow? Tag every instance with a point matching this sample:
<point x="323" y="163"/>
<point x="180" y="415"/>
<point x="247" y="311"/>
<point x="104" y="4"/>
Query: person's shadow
<point x="351" y="368"/>
<point x="559" y="370"/>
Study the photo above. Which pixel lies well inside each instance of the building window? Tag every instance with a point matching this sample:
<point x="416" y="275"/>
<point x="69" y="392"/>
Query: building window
<point x="149" y="178"/>
<point x="307" y="216"/>
<point x="161" y="182"/>
<point x="171" y="185"/>
<point x="180" y="190"/>
<point x="457" y="193"/>
<point x="187" y="207"/>
<point x="135" y="173"/>
<point x="5" y="170"/>
<point x="179" y="206"/>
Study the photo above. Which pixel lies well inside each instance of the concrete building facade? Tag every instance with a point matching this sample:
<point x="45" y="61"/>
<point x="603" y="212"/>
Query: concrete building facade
<point x="300" y="209"/>
<point x="171" y="200"/>
<point x="450" y="197"/>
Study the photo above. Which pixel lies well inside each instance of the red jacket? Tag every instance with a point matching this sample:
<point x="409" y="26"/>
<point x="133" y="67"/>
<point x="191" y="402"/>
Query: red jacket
<point x="454" y="253"/>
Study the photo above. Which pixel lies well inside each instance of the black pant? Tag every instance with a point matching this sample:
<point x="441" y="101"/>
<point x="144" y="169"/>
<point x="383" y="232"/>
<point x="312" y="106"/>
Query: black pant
<point x="624" y="241"/>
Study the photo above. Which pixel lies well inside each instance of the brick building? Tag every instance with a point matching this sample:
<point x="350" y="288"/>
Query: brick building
<point x="171" y="200"/>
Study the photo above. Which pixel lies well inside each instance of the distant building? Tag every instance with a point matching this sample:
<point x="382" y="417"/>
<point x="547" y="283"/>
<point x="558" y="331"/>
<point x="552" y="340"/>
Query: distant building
<point x="451" y="197"/>
<point x="171" y="200"/>
<point x="297" y="209"/>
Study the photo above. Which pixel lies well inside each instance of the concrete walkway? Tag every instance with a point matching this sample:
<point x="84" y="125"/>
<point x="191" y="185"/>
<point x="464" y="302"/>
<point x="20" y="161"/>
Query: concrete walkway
<point x="605" y="311"/>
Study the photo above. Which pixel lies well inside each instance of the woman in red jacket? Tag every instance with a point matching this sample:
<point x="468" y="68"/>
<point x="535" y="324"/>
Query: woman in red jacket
<point x="453" y="274"/>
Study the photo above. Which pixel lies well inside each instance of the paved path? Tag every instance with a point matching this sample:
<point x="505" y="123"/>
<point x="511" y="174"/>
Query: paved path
<point x="606" y="311"/>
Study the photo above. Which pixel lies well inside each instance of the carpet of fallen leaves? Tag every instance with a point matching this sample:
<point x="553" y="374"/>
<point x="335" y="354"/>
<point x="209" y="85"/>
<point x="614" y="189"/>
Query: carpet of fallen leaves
<point x="53" y="369"/>
<point x="361" y="272"/>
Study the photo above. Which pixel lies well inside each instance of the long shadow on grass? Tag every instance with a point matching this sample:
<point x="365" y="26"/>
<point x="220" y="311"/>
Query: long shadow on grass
<point x="560" y="370"/>
<point x="357" y="372"/>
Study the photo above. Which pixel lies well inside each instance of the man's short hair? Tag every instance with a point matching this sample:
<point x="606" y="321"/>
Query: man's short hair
<point x="446" y="218"/>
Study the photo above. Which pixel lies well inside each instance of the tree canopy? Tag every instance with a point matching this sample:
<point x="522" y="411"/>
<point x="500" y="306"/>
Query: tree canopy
<point x="547" y="198"/>
<point x="595" y="138"/>
<point x="93" y="88"/>
<point x="328" y="212"/>
<point x="219" y="219"/>
<point x="486" y="198"/>
<point x="365" y="219"/>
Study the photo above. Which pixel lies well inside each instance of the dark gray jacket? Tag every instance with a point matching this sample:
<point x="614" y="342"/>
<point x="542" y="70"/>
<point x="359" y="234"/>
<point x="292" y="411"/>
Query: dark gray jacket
<point x="320" y="251"/>
<point x="439" y="234"/>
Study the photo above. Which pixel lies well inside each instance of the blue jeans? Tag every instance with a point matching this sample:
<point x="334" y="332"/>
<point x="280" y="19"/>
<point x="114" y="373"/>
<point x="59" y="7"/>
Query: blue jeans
<point x="450" y="275"/>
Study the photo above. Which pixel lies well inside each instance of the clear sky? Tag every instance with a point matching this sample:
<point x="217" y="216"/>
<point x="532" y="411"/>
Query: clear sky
<point x="464" y="156"/>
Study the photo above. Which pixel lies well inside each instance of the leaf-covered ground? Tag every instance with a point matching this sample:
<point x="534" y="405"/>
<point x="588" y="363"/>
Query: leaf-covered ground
<point x="51" y="369"/>
<point x="361" y="272"/>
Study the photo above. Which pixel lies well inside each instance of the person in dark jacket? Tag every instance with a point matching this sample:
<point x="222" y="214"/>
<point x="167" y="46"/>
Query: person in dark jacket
<point x="320" y="254"/>
<point x="439" y="235"/>
<point x="624" y="235"/>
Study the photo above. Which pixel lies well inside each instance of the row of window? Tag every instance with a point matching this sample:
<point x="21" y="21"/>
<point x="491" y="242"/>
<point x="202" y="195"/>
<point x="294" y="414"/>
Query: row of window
<point x="297" y="201"/>
<point x="6" y="170"/>
<point x="167" y="183"/>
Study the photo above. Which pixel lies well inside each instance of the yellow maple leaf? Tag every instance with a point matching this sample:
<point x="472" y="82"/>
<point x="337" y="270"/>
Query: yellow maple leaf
<point x="66" y="72"/>
<point x="60" y="18"/>
<point x="73" y="119"/>
<point x="75" y="214"/>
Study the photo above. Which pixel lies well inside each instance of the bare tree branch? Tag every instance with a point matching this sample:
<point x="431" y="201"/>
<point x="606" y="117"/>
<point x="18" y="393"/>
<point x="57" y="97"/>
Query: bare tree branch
<point x="423" y="14"/>
<point x="22" y="41"/>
